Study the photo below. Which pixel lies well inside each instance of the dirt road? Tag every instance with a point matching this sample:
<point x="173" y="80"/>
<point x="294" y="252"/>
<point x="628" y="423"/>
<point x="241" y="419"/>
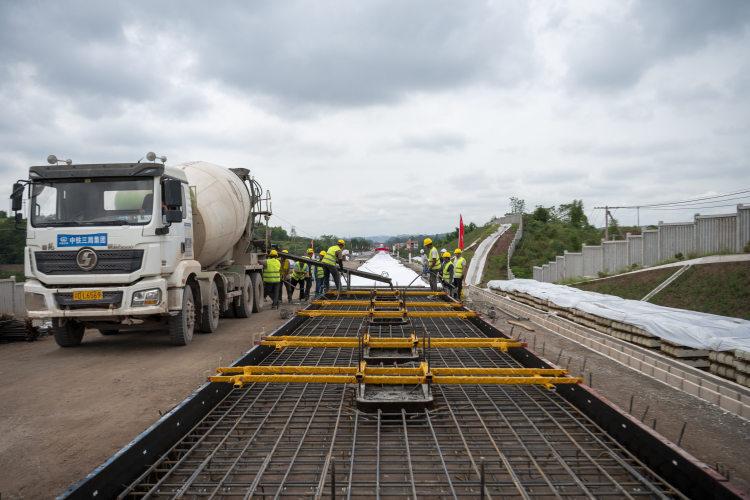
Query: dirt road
<point x="65" y="411"/>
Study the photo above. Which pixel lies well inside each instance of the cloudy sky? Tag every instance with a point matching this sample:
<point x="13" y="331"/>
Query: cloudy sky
<point x="375" y="117"/>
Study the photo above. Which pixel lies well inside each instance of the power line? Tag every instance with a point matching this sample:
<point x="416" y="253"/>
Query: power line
<point x="690" y="207"/>
<point x="715" y="198"/>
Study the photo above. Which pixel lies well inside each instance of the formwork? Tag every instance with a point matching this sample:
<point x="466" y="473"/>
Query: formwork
<point x="299" y="440"/>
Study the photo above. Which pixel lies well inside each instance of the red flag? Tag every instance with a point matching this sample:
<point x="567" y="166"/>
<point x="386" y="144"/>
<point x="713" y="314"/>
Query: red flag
<point x="461" y="231"/>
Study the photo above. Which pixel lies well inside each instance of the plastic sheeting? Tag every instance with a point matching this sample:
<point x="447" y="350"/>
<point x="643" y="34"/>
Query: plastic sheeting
<point x="383" y="264"/>
<point x="679" y="326"/>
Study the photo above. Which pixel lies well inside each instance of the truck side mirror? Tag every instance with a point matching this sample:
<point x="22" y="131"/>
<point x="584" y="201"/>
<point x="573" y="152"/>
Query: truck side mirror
<point x="172" y="193"/>
<point x="173" y="216"/>
<point x="17" y="197"/>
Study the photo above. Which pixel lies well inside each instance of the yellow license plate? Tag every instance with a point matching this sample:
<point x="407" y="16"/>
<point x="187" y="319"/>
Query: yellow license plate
<point x="88" y="295"/>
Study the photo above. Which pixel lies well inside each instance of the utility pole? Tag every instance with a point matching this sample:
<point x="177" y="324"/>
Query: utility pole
<point x="638" y="218"/>
<point x="606" y="223"/>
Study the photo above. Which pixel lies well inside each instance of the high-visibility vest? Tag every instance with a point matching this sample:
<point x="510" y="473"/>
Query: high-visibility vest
<point x="433" y="254"/>
<point x="458" y="268"/>
<point x="272" y="271"/>
<point x="330" y="256"/>
<point x="285" y="267"/>
<point x="447" y="270"/>
<point x="319" y="272"/>
<point x="300" y="270"/>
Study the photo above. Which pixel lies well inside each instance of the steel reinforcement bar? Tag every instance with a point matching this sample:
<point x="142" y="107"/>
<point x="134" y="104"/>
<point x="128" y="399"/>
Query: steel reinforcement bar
<point x="310" y="440"/>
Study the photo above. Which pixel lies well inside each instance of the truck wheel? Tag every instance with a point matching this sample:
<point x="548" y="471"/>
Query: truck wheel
<point x="69" y="333"/>
<point x="109" y="331"/>
<point x="258" y="292"/>
<point x="210" y="314"/>
<point x="244" y="305"/>
<point x="182" y="325"/>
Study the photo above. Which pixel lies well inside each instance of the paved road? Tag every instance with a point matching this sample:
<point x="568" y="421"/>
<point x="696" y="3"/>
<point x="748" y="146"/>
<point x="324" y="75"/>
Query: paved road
<point x="65" y="411"/>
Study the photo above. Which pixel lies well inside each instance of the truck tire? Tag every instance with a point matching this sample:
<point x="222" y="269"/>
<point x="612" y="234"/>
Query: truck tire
<point x="244" y="304"/>
<point x="109" y="331"/>
<point x="182" y="325"/>
<point x="212" y="310"/>
<point x="258" y="291"/>
<point x="68" y="333"/>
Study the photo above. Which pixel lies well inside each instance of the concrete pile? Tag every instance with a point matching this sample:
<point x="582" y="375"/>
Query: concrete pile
<point x="704" y="341"/>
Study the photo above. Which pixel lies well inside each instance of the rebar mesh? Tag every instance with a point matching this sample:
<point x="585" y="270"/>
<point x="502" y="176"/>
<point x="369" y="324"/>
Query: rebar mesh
<point x="309" y="440"/>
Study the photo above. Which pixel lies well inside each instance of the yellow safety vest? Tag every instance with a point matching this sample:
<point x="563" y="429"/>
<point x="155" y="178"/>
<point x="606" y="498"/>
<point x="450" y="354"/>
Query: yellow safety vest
<point x="434" y="254"/>
<point x="447" y="268"/>
<point x="300" y="270"/>
<point x="458" y="268"/>
<point x="330" y="256"/>
<point x="319" y="271"/>
<point x="272" y="271"/>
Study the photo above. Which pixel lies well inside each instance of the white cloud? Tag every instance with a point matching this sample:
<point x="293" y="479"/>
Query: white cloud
<point x="387" y="117"/>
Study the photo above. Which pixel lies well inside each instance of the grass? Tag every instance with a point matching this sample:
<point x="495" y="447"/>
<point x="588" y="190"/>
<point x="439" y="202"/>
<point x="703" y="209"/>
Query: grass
<point x="721" y="288"/>
<point x="629" y="286"/>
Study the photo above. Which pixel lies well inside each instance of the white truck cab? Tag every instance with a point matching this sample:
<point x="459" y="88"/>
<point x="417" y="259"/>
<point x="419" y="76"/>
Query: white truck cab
<point x="111" y="247"/>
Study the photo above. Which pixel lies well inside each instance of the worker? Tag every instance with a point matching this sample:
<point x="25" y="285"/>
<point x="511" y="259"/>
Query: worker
<point x="433" y="262"/>
<point x="423" y="258"/>
<point x="309" y="274"/>
<point x="272" y="278"/>
<point x="446" y="272"/>
<point x="334" y="257"/>
<point x="320" y="284"/>
<point x="285" y="277"/>
<point x="459" y="263"/>
<point x="299" y="277"/>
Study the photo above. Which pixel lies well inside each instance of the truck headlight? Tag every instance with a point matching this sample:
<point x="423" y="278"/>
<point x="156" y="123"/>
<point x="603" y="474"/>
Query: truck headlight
<point x="34" y="301"/>
<point x="151" y="297"/>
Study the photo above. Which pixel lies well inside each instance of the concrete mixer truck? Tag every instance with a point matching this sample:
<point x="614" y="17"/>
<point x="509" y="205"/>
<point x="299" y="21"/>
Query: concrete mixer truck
<point x="142" y="246"/>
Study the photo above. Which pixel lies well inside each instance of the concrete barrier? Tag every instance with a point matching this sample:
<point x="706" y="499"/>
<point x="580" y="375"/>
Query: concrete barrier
<point x="12" y="298"/>
<point x="706" y="234"/>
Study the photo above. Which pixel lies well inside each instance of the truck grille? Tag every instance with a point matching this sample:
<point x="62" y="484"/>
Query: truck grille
<point x="65" y="301"/>
<point x="109" y="262"/>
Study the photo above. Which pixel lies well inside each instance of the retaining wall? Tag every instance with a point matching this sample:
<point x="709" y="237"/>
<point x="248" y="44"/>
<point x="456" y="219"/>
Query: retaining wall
<point x="707" y="234"/>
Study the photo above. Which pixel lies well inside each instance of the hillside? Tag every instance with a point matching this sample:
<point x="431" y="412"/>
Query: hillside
<point x="548" y="232"/>
<point x="721" y="288"/>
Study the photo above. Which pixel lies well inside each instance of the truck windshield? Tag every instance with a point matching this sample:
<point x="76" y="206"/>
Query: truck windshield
<point x="92" y="202"/>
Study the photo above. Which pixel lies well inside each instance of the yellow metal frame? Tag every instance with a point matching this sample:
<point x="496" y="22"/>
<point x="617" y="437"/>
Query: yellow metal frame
<point x="363" y="374"/>
<point x="384" y="293"/>
<point x="385" y="303"/>
<point x="282" y="342"/>
<point x="327" y="313"/>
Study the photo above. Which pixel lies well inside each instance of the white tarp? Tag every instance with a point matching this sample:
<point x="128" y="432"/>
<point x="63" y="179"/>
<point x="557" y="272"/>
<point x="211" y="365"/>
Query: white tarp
<point x="385" y="265"/>
<point x="679" y="326"/>
<point x="476" y="266"/>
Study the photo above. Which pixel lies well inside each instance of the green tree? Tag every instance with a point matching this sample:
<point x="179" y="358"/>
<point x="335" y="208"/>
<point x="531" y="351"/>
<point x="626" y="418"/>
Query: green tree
<point x="517" y="205"/>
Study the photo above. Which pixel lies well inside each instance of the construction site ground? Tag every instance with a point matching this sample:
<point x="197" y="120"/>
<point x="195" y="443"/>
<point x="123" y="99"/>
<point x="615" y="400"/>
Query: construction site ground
<point x="65" y="411"/>
<point x="712" y="435"/>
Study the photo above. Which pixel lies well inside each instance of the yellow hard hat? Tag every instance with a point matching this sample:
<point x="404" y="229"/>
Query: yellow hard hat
<point x="446" y="254"/>
<point x="341" y="242"/>
<point x="428" y="241"/>
<point x="322" y="253"/>
<point x="310" y="251"/>
<point x="285" y="251"/>
<point x="273" y="253"/>
<point x="457" y="251"/>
